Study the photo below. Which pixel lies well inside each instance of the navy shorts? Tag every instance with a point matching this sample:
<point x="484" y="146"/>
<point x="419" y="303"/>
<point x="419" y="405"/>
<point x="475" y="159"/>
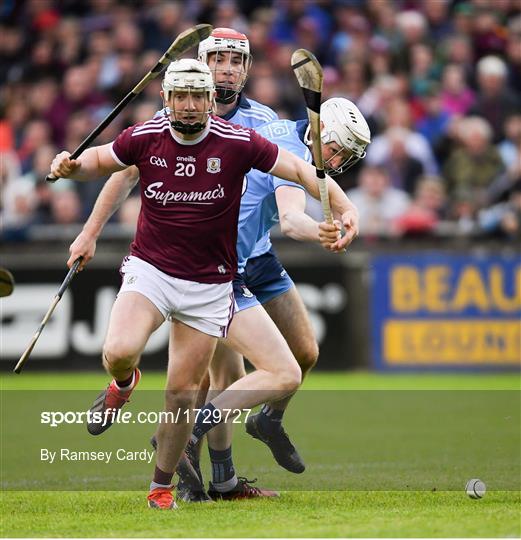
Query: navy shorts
<point x="263" y="279"/>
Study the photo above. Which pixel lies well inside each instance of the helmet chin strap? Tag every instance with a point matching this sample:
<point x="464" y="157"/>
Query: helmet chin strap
<point x="187" y="128"/>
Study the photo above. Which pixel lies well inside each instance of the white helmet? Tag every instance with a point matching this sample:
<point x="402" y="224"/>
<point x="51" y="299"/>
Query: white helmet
<point x="227" y="40"/>
<point x="188" y="75"/>
<point x="344" y="124"/>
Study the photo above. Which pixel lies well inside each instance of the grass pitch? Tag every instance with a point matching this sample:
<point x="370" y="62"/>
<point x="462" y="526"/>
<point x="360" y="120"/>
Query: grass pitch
<point x="300" y="511"/>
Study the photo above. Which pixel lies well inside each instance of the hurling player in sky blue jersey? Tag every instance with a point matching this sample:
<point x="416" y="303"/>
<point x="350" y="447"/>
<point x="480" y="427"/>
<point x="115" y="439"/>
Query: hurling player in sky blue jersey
<point x="262" y="280"/>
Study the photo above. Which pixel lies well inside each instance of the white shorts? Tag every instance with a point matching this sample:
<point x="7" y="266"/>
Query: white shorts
<point x="207" y="307"/>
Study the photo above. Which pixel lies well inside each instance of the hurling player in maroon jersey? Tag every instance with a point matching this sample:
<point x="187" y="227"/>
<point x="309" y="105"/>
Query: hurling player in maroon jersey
<point x="183" y="258"/>
<point x="227" y="54"/>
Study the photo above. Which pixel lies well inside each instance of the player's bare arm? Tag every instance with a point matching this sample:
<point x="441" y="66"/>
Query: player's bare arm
<point x="291" y="167"/>
<point x="295" y="223"/>
<point x="93" y="163"/>
<point x="114" y="192"/>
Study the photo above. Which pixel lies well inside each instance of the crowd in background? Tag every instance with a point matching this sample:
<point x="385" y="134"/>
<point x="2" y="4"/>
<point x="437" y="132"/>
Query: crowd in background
<point x="439" y="82"/>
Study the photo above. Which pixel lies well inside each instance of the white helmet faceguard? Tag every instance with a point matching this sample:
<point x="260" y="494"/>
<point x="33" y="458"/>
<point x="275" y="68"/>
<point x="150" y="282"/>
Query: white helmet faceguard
<point x="237" y="62"/>
<point x="191" y="76"/>
<point x="345" y="125"/>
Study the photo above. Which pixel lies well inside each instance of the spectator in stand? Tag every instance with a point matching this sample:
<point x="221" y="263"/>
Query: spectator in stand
<point x="377" y="201"/>
<point x="10" y="171"/>
<point x="42" y="62"/>
<point x="495" y="101"/>
<point x="504" y="218"/>
<point x="403" y="170"/>
<point x="162" y="21"/>
<point x="381" y="57"/>
<point x="511" y="219"/>
<point x="353" y="78"/>
<point x="35" y="135"/>
<point x="458" y="50"/>
<point x="43" y="191"/>
<point x="426" y="210"/>
<point x="514" y="54"/>
<point x="42" y="95"/>
<point x="398" y="114"/>
<point x="435" y="121"/>
<point x="288" y="13"/>
<point x="383" y="14"/>
<point x="69" y="35"/>
<point x="488" y="34"/>
<point x="352" y="35"/>
<point x="509" y="148"/>
<point x="79" y="94"/>
<point x="227" y="15"/>
<point x="12" y="46"/>
<point x="438" y="18"/>
<point x="463" y="212"/>
<point x="384" y="90"/>
<point x="510" y="152"/>
<point x="456" y="97"/>
<point x="473" y="167"/>
<point x="101" y="51"/>
<point x="462" y="18"/>
<point x="412" y="26"/>
<point x="424" y="70"/>
<point x="65" y="207"/>
<point x="17" y="199"/>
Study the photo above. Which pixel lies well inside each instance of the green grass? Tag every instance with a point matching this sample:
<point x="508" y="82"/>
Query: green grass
<point x="425" y="445"/>
<point x="303" y="514"/>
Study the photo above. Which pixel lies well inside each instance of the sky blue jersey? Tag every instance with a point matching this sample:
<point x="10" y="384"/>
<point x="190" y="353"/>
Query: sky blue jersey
<point x="258" y="205"/>
<point x="250" y="113"/>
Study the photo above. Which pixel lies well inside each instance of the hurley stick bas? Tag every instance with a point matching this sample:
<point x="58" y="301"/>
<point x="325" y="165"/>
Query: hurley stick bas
<point x="308" y="72"/>
<point x="184" y="42"/>
<point x="56" y="299"/>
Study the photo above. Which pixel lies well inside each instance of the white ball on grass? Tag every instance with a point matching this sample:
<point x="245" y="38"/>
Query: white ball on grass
<point x="475" y="488"/>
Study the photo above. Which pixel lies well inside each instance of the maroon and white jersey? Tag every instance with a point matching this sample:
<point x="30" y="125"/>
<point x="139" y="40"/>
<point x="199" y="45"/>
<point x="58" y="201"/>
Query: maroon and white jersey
<point x="191" y="194"/>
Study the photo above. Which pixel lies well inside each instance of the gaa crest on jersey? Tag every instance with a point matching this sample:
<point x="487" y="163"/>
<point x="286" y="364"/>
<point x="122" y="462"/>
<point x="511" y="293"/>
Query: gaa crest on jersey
<point x="213" y="165"/>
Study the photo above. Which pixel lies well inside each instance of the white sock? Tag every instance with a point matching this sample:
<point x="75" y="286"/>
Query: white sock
<point x="130" y="386"/>
<point x="155" y="485"/>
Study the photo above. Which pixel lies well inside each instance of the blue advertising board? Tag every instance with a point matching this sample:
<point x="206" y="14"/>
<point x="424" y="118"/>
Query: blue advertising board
<point x="440" y="311"/>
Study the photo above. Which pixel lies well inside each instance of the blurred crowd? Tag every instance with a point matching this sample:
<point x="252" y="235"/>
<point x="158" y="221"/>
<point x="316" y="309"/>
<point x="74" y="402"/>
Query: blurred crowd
<point x="439" y="82"/>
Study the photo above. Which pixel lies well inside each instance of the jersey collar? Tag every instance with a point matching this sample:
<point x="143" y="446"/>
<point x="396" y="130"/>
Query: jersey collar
<point x="242" y="103"/>
<point x="204" y="133"/>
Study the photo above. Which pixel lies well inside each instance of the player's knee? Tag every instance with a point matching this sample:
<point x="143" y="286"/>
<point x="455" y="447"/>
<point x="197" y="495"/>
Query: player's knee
<point x="180" y="398"/>
<point x="291" y="378"/>
<point x="118" y="355"/>
<point x="307" y="356"/>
